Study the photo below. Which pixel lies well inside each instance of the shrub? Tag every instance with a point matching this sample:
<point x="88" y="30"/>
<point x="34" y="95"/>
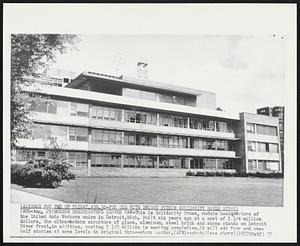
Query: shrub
<point x="189" y="173"/>
<point x="45" y="173"/>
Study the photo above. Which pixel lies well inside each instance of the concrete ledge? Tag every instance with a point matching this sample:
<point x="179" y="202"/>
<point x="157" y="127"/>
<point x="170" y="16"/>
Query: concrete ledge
<point x="114" y="172"/>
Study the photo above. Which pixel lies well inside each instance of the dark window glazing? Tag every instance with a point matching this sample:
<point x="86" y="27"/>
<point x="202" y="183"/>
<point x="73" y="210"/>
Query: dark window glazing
<point x="140" y="117"/>
<point x="139" y="161"/>
<point x="173" y="120"/>
<point x="105" y="113"/>
<point x="105" y="160"/>
<point x="78" y="134"/>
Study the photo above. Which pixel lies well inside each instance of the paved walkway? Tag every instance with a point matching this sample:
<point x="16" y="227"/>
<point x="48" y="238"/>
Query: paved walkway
<point x="25" y="197"/>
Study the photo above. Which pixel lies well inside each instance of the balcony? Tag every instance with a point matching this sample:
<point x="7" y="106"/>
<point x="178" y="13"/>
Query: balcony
<point x="126" y="126"/>
<point x="126" y="149"/>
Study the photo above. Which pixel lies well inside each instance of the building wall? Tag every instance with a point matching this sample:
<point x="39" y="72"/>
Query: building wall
<point x="257" y="156"/>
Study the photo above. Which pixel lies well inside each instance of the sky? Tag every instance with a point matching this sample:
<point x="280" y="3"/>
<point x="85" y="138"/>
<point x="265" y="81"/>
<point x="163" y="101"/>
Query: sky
<point x="245" y="72"/>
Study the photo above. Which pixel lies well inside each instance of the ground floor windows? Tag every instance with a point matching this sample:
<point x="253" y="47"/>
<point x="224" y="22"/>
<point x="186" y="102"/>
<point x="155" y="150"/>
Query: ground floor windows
<point x="106" y="160"/>
<point x="77" y="159"/>
<point x="139" y="161"/>
<point x="172" y="162"/>
<point x="261" y="166"/>
<point x="212" y="163"/>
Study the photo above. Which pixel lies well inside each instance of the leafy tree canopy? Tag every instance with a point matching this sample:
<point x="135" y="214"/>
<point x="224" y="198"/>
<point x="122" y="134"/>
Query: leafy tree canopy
<point x="29" y="54"/>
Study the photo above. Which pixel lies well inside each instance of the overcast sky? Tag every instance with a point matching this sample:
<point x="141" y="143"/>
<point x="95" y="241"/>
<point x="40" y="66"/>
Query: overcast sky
<point x="246" y="72"/>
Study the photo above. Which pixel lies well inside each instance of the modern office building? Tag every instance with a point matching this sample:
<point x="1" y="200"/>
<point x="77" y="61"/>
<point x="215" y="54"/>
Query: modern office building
<point x="276" y="111"/>
<point x="105" y="122"/>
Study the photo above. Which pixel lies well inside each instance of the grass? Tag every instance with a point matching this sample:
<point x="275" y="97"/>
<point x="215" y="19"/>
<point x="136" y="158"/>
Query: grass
<point x="231" y="191"/>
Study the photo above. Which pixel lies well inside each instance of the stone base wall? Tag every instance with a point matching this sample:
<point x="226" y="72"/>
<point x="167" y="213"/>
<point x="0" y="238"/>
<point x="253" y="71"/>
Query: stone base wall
<point x="140" y="172"/>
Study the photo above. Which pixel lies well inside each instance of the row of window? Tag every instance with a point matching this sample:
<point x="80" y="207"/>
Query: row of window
<point x="259" y="165"/>
<point x="132" y="116"/>
<point x="65" y="133"/>
<point x="208" y="163"/>
<point x="189" y="101"/>
<point x="261" y="129"/>
<point x="202" y="143"/>
<point x="79" y="159"/>
<point x="262" y="147"/>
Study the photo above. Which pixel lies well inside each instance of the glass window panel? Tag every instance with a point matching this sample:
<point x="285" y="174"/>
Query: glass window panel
<point x="52" y="107"/>
<point x="59" y="132"/>
<point x="62" y="108"/>
<point x="209" y="163"/>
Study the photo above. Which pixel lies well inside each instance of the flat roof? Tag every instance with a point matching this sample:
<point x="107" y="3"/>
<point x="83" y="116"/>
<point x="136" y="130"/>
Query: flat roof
<point x="137" y="82"/>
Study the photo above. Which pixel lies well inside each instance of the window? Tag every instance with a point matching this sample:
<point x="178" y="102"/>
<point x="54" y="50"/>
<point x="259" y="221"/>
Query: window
<point x="271" y="166"/>
<point x="209" y="163"/>
<point x="78" y="134"/>
<point x="140" y="117"/>
<point x="250" y="128"/>
<point x="172" y="141"/>
<point x="262" y="147"/>
<point x="273" y="148"/>
<point x="251" y="146"/>
<point x="79" y="109"/>
<point x="77" y="159"/>
<point x="266" y="130"/>
<point x="131" y="138"/>
<point x="221" y="126"/>
<point x="139" y="161"/>
<point x="105" y="160"/>
<point x="252" y="165"/>
<point x="222" y="145"/>
<point x="172" y="120"/>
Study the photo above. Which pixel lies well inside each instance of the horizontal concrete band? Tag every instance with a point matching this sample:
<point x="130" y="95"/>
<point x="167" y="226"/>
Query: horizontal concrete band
<point x="141" y="172"/>
<point x="263" y="156"/>
<point x="126" y="126"/>
<point x="91" y="96"/>
<point x="127" y="149"/>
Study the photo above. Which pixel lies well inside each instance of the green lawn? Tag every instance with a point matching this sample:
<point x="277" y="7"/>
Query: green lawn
<point x="187" y="190"/>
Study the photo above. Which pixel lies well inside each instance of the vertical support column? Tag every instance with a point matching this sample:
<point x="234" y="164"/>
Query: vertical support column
<point x="123" y="115"/>
<point x="122" y="138"/>
<point x="189" y="142"/>
<point x="122" y="160"/>
<point x="90" y="111"/>
<point x="217" y="163"/>
<point x="255" y="132"/>
<point x="157" y="140"/>
<point x="188" y="122"/>
<point x="215" y="125"/>
<point x="256" y="165"/>
<point x="156" y="97"/>
<point x="157" y="119"/>
<point x="216" y="146"/>
<point x="157" y="161"/>
<point x="89" y="135"/>
<point x="89" y="156"/>
<point x="188" y="163"/>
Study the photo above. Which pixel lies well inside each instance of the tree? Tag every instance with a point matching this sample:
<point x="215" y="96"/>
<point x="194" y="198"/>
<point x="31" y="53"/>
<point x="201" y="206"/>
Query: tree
<point x="29" y="54"/>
